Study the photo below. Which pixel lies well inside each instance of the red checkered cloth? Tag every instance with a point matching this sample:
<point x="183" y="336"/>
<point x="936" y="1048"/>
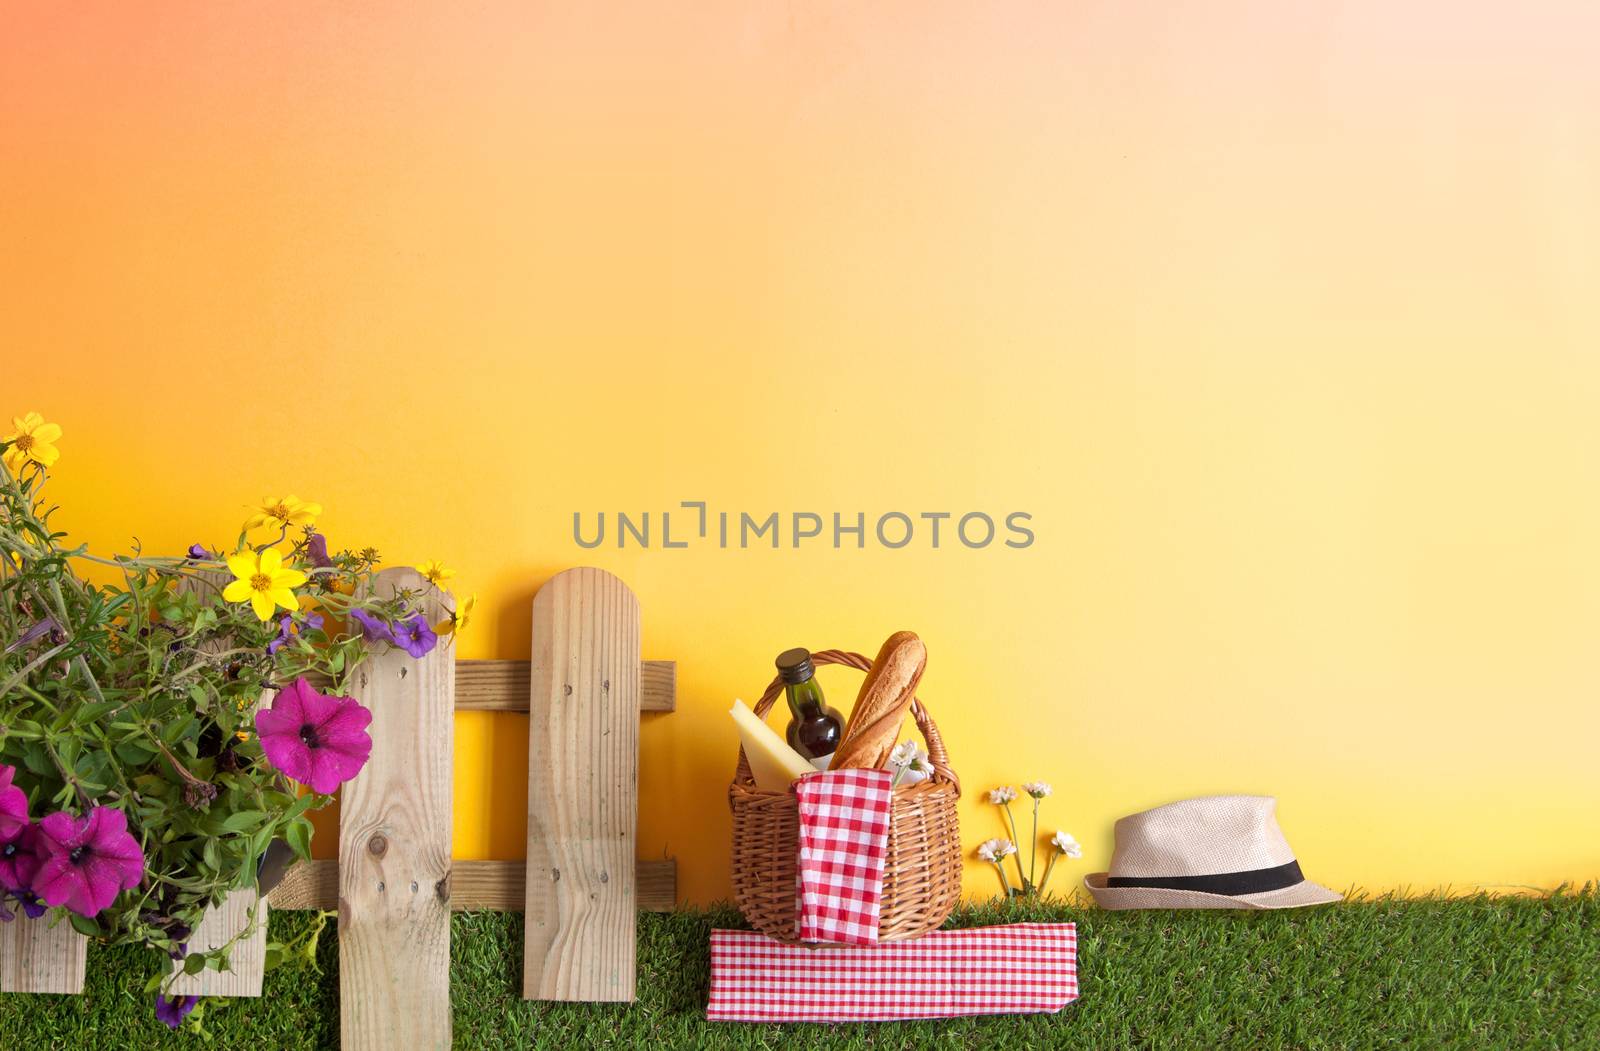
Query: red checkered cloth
<point x="844" y="834"/>
<point x="1020" y="968"/>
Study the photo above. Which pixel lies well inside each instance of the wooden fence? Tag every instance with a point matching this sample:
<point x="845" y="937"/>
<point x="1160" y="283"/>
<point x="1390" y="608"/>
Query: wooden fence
<point x="395" y="884"/>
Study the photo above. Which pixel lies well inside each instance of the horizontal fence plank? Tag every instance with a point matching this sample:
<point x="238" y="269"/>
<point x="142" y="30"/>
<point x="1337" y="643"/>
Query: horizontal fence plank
<point x="496" y="885"/>
<point x="502" y="686"/>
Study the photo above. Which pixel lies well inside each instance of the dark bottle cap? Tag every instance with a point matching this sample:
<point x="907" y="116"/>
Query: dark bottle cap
<point x="794" y="666"/>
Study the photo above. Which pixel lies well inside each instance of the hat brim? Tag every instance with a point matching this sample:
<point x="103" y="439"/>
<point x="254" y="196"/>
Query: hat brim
<point x="1297" y="896"/>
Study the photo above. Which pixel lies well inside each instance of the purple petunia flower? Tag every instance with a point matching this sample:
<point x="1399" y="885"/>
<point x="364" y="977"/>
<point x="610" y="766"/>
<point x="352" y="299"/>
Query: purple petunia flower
<point x="415" y="636"/>
<point x="35" y="631"/>
<point x="13" y="806"/>
<point x="198" y="552"/>
<point x="372" y="628"/>
<point x="32" y="907"/>
<point x="175" y="1010"/>
<point x="286" y="629"/>
<point x="84" y="862"/>
<point x="315" y="739"/>
<point x="317" y="551"/>
<point x="284" y="623"/>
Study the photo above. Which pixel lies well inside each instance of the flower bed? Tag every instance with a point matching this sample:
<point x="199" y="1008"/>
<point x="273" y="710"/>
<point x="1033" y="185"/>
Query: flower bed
<point x="141" y="780"/>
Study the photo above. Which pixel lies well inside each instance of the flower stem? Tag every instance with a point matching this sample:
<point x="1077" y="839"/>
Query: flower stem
<point x="66" y="775"/>
<point x="79" y="660"/>
<point x="999" y="866"/>
<point x="1049" y="867"/>
<point x="43" y="658"/>
<point x="1021" y="876"/>
<point x="1033" y="844"/>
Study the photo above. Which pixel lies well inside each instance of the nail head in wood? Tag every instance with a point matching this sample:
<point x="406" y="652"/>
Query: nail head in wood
<point x="502" y="686"/>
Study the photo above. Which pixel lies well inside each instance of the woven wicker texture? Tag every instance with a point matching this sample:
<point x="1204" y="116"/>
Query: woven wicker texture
<point x="922" y="870"/>
<point x="1196" y="837"/>
<point x="1202" y="837"/>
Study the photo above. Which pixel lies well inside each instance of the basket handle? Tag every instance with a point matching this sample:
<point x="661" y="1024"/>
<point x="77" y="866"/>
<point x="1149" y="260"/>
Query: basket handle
<point x="938" y="758"/>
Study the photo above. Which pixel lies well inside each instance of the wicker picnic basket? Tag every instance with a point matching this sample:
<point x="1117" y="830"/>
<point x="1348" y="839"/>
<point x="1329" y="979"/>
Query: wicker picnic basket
<point x="922" y="868"/>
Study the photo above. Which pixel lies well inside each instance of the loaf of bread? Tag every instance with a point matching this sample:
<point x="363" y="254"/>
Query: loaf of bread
<point x="881" y="705"/>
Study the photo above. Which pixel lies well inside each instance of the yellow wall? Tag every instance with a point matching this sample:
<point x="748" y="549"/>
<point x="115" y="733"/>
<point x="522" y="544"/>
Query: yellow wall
<point x="1280" y="319"/>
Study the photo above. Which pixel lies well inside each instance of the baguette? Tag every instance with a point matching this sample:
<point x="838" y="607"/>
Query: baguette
<point x="881" y="705"/>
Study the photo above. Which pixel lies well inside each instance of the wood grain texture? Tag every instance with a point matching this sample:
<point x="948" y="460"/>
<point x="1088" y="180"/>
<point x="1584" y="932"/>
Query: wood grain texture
<point x="247" y="958"/>
<point x="394" y="850"/>
<point x="583" y="790"/>
<point x="496" y="885"/>
<point x="502" y="686"/>
<point x="38" y="958"/>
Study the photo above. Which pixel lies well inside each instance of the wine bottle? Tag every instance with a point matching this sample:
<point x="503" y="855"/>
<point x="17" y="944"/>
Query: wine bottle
<point x="814" y="728"/>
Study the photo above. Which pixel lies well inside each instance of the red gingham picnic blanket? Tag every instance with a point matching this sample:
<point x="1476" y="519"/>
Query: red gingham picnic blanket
<point x="1020" y="968"/>
<point x="844" y="834"/>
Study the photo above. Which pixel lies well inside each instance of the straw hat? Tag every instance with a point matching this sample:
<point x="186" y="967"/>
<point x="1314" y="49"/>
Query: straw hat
<point x="1217" y="852"/>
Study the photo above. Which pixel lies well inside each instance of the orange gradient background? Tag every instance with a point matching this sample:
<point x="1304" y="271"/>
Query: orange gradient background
<point x="1279" y="318"/>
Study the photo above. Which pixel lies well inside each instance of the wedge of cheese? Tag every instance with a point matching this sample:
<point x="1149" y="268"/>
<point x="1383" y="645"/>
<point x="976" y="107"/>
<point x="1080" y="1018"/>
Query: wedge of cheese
<point x="772" y="761"/>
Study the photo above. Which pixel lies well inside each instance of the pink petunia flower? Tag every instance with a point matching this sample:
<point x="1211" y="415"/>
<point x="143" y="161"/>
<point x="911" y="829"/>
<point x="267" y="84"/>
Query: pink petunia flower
<point x="315" y="739"/>
<point x="85" y="862"/>
<point x="13" y="806"/>
<point x="18" y="861"/>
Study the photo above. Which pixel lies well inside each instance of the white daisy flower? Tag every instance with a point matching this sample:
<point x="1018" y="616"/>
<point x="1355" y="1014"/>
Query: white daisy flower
<point x="1037" y="789"/>
<point x="1002" y="795"/>
<point x="995" y="849"/>
<point x="1064" y="842"/>
<point x="909" y="764"/>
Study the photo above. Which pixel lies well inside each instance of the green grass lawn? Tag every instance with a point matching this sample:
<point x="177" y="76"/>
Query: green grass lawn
<point x="1468" y="972"/>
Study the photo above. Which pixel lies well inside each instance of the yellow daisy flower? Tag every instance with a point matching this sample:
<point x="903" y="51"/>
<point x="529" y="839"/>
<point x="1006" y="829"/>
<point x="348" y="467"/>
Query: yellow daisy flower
<point x="436" y="573"/>
<point x="283" y="511"/>
<point x="33" y="441"/>
<point x="262" y="581"/>
<point x="457" y="620"/>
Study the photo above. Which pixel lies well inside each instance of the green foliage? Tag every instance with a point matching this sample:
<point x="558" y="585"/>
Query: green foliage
<point x="1479" y="972"/>
<point x="139" y="694"/>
